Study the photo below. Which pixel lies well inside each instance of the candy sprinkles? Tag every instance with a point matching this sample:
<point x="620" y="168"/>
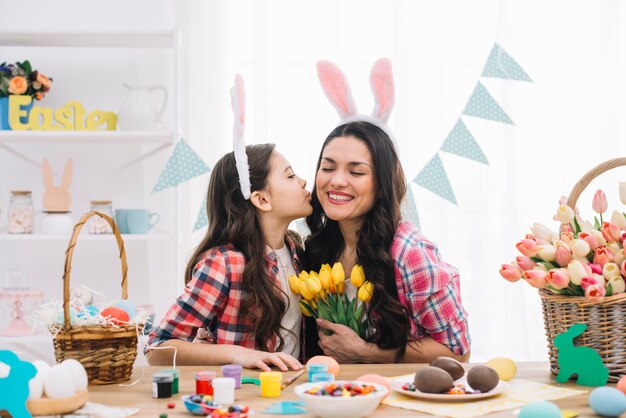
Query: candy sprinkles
<point x="459" y="389"/>
<point x="345" y="390"/>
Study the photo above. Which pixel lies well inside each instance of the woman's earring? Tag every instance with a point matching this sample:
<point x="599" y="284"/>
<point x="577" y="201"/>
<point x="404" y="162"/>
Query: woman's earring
<point x="323" y="219"/>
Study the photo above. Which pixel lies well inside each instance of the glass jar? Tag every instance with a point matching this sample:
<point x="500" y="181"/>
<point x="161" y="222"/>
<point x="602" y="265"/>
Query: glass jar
<point x="21" y="213"/>
<point x="96" y="224"/>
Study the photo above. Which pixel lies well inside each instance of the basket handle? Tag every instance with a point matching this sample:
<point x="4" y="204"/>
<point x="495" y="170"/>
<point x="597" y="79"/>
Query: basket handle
<point x="592" y="174"/>
<point x="68" y="262"/>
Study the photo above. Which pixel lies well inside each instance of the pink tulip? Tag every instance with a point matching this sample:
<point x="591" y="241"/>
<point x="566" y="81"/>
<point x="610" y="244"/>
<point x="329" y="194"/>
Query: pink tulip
<point x="610" y="232"/>
<point x="538" y="240"/>
<point x="567" y="236"/>
<point x="595" y="293"/>
<point x="536" y="278"/>
<point x="525" y="263"/>
<point x="588" y="281"/>
<point x="590" y="239"/>
<point x="623" y="268"/>
<point x="602" y="256"/>
<point x="511" y="272"/>
<point x="599" y="203"/>
<point x="595" y="268"/>
<point x="528" y="247"/>
<point x="558" y="278"/>
<point x="562" y="255"/>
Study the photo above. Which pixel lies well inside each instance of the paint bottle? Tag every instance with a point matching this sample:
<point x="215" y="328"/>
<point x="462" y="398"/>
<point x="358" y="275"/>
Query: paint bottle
<point x="204" y="382"/>
<point x="175" y="375"/>
<point x="223" y="390"/>
<point x="316" y="368"/>
<point x="162" y="385"/>
<point x="234" y="371"/>
<point x="323" y="377"/>
<point x="270" y="384"/>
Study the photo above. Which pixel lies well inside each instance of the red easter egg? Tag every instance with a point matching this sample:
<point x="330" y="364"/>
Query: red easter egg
<point x="621" y="384"/>
<point x="116" y="315"/>
<point x="333" y="366"/>
<point x="376" y="378"/>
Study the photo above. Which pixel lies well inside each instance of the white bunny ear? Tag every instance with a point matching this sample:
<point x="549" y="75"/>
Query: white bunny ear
<point x="381" y="81"/>
<point x="238" y="102"/>
<point x="337" y="88"/>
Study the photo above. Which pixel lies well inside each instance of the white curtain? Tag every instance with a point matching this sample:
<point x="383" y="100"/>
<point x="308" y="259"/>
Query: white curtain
<point x="565" y="122"/>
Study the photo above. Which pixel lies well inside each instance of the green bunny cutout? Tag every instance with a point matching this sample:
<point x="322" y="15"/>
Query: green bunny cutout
<point x="582" y="361"/>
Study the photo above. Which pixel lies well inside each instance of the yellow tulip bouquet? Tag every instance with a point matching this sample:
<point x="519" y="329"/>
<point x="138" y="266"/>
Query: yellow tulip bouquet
<point x="323" y="296"/>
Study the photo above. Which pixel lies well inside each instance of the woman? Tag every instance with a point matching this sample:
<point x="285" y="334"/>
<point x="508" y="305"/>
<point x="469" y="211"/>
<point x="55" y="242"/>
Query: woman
<point x="416" y="313"/>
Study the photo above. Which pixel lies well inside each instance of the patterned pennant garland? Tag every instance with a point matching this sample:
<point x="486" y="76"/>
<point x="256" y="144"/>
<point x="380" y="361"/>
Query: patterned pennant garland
<point x="409" y="209"/>
<point x="482" y="105"/>
<point x="501" y="65"/>
<point x="460" y="141"/>
<point x="202" y="219"/>
<point x="434" y="178"/>
<point x="184" y="164"/>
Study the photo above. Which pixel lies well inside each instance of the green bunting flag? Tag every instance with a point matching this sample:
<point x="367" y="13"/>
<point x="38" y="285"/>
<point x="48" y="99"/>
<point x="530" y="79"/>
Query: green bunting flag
<point x="184" y="164"/>
<point x="460" y="141"/>
<point x="482" y="105"/>
<point x="501" y="65"/>
<point x="433" y="177"/>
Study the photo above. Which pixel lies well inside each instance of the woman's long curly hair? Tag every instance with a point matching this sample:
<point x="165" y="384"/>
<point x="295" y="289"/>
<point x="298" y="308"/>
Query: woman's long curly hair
<point x="326" y="243"/>
<point x="233" y="220"/>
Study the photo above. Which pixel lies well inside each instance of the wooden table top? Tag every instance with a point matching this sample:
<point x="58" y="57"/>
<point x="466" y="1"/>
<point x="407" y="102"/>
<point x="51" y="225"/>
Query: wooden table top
<point x="140" y="395"/>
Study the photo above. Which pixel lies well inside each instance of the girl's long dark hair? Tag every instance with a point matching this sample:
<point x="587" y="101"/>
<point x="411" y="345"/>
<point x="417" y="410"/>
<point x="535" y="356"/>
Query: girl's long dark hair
<point x="233" y="220"/>
<point x="325" y="244"/>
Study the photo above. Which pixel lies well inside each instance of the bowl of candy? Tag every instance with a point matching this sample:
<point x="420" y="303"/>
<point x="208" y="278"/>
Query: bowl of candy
<point x="203" y="405"/>
<point x="341" y="398"/>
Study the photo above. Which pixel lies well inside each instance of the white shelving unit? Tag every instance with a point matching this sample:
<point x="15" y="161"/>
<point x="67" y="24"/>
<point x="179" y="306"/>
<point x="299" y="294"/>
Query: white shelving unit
<point x="132" y="147"/>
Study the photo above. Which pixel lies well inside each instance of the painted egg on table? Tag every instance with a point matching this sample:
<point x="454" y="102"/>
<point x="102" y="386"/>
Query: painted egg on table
<point x="431" y="379"/>
<point x="540" y="410"/>
<point x="127" y="305"/>
<point x="333" y="366"/>
<point x="116" y="315"/>
<point x="505" y="367"/>
<point x="35" y="385"/>
<point x="59" y="383"/>
<point x="453" y="367"/>
<point x="621" y="384"/>
<point x="78" y="373"/>
<point x="482" y="378"/>
<point x="607" y="401"/>
<point x="376" y="378"/>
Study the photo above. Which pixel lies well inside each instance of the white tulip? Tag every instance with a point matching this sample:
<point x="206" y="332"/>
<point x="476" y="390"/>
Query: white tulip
<point x="610" y="270"/>
<point x="622" y="192"/>
<point x="546" y="252"/>
<point x="617" y="284"/>
<point x="599" y="236"/>
<point x="541" y="231"/>
<point x="586" y="226"/>
<point x="564" y="214"/>
<point x="619" y="257"/>
<point x="576" y="271"/>
<point x="579" y="247"/>
<point x="613" y="247"/>
<point x="617" y="219"/>
<point x="600" y="279"/>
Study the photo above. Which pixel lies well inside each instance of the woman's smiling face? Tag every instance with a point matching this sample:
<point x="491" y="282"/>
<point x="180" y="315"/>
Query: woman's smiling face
<point x="345" y="183"/>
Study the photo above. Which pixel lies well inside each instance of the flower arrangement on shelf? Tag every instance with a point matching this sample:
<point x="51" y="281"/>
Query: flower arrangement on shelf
<point x="20" y="79"/>
<point x="583" y="259"/>
<point x="323" y="296"/>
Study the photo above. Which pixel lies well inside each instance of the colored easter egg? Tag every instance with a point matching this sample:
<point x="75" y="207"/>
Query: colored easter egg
<point x="540" y="410"/>
<point x="505" y="367"/>
<point x="607" y="401"/>
<point x="59" y="383"/>
<point x="333" y="366"/>
<point x="376" y="378"/>
<point x="127" y="305"/>
<point x="115" y="314"/>
<point x="78" y="373"/>
<point x="73" y="315"/>
<point x="621" y="384"/>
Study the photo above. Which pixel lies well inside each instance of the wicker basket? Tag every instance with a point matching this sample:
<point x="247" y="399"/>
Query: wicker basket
<point x="606" y="320"/>
<point x="106" y="352"/>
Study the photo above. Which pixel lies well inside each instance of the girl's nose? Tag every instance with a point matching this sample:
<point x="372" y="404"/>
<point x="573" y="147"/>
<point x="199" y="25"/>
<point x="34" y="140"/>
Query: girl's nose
<point x="338" y="179"/>
<point x="302" y="182"/>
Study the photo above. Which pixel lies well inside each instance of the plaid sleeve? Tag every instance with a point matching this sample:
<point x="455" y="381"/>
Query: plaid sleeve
<point x="434" y="297"/>
<point x="205" y="296"/>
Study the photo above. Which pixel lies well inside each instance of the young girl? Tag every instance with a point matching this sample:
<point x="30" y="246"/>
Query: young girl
<point x="237" y="298"/>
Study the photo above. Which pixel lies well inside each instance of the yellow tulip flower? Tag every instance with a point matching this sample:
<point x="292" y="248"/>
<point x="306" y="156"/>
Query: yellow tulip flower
<point x="313" y="273"/>
<point x="313" y="284"/>
<point x="294" y="284"/>
<point x="326" y="267"/>
<point x="357" y="276"/>
<point x="303" y="275"/>
<point x="340" y="288"/>
<point x="305" y="292"/>
<point x="337" y="273"/>
<point x="324" y="277"/>
<point x="366" y="292"/>
<point x="304" y="310"/>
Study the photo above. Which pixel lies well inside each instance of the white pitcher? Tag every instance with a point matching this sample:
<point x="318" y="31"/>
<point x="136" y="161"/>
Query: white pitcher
<point x="138" y="111"/>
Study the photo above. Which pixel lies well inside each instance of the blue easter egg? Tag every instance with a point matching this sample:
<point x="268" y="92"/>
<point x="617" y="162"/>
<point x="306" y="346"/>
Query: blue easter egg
<point x="607" y="401"/>
<point x="93" y="311"/>
<point x="126" y="305"/>
<point x="73" y="315"/>
<point x="540" y="410"/>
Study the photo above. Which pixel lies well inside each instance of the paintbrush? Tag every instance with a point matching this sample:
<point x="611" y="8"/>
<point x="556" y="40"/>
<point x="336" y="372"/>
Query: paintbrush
<point x="293" y="378"/>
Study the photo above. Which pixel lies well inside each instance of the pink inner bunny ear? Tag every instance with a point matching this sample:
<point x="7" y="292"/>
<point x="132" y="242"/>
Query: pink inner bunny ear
<point x="336" y="87"/>
<point x="238" y="99"/>
<point x="381" y="80"/>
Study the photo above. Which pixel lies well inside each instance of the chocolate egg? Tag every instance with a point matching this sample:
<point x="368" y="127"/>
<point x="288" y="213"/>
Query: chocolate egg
<point x="433" y="380"/>
<point x="453" y="367"/>
<point x="482" y="378"/>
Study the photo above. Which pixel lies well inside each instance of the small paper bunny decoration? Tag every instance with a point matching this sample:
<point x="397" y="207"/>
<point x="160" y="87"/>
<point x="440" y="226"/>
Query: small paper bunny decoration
<point x="57" y="199"/>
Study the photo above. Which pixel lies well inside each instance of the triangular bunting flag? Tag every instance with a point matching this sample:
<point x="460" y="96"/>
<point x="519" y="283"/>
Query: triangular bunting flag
<point x="501" y="65"/>
<point x="434" y="178"/>
<point x="482" y="105"/>
<point x="408" y="208"/>
<point x="184" y="164"/>
<point x="202" y="219"/>
<point x="461" y="142"/>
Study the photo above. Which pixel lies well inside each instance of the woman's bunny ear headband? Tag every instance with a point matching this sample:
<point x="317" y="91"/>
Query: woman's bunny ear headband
<point x="238" y="102"/>
<point x="337" y="89"/>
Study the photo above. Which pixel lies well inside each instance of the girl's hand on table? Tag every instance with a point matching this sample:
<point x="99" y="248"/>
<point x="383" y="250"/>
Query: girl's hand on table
<point x="344" y="345"/>
<point x="254" y="359"/>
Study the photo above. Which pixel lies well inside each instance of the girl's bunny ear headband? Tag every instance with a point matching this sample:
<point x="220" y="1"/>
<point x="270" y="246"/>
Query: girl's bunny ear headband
<point x="238" y="102"/>
<point x="337" y="89"/>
